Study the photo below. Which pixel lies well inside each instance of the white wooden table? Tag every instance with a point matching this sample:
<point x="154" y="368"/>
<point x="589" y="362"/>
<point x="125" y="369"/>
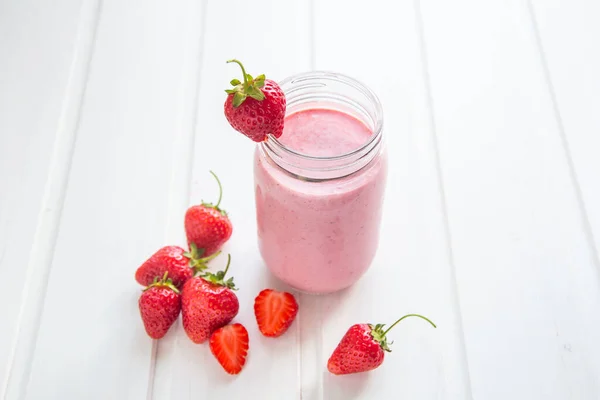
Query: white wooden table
<point x="111" y="116"/>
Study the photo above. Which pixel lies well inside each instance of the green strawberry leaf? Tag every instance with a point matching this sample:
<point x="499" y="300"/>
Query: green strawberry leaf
<point x="238" y="98"/>
<point x="218" y="278"/>
<point x="255" y="93"/>
<point x="250" y="87"/>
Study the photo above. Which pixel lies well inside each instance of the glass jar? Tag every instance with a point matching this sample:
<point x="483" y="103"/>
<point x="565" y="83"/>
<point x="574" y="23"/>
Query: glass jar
<point x="318" y="217"/>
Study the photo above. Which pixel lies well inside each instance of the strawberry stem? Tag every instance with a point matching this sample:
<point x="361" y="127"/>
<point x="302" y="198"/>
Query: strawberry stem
<point x="250" y="87"/>
<point x="406" y="316"/>
<point x="194" y="253"/>
<point x="211" y="257"/>
<point x="227" y="266"/>
<point x="220" y="189"/>
<point x="242" y="67"/>
<point x="197" y="263"/>
<point x="164" y="282"/>
<point x="219" y="277"/>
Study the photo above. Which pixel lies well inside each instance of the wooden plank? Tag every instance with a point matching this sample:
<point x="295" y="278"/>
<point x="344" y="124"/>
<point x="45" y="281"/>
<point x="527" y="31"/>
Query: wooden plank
<point x="525" y="270"/>
<point x="274" y="41"/>
<point x="413" y="269"/>
<point x="37" y="72"/>
<point x="91" y="343"/>
<point x="572" y="63"/>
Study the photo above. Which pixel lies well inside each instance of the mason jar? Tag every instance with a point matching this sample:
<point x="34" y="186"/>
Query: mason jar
<point x="319" y="214"/>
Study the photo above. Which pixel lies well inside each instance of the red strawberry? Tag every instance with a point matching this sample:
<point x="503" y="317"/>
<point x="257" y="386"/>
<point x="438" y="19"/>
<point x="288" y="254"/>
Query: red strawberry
<point x="159" y="307"/>
<point x="275" y="312"/>
<point x="255" y="107"/>
<point x="208" y="303"/>
<point x="179" y="264"/>
<point x="229" y="345"/>
<point x="362" y="348"/>
<point x="207" y="226"/>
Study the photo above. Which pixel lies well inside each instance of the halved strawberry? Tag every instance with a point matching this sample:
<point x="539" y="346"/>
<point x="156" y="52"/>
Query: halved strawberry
<point x="274" y="311"/>
<point x="229" y="345"/>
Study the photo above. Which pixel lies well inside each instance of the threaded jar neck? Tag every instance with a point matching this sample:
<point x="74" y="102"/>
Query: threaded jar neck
<point x="327" y="90"/>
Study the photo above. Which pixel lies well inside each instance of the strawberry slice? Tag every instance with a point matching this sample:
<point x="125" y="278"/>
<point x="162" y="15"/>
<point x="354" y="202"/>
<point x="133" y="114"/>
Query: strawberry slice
<point x="275" y="312"/>
<point x="229" y="345"/>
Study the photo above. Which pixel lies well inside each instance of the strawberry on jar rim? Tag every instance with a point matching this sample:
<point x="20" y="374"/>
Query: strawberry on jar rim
<point x="208" y="303"/>
<point x="362" y="348"/>
<point x="256" y="106"/>
<point x="207" y="226"/>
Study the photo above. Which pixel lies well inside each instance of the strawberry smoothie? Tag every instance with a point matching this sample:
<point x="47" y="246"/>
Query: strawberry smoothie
<point x="319" y="235"/>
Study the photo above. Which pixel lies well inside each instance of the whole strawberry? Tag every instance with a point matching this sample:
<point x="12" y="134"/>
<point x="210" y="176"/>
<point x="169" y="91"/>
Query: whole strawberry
<point x="207" y="226"/>
<point x="255" y="107"/>
<point x="178" y="263"/>
<point x="208" y="303"/>
<point x="159" y="304"/>
<point x="362" y="348"/>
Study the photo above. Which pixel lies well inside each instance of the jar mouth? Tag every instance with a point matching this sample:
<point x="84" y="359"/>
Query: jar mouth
<point x="309" y="80"/>
<point x="330" y="89"/>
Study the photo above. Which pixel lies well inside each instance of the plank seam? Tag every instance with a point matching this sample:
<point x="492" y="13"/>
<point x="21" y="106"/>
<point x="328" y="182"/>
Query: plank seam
<point x="441" y="189"/>
<point x="312" y="32"/>
<point x="583" y="213"/>
<point x="181" y="167"/>
<point x="50" y="213"/>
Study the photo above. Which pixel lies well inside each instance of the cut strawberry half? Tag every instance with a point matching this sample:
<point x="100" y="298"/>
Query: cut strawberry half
<point x="275" y="312"/>
<point x="229" y="345"/>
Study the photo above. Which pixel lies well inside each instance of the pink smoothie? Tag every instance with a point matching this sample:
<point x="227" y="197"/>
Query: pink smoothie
<point x="321" y="236"/>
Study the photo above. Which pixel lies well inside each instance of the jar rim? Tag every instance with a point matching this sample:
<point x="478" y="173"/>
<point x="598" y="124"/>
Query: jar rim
<point x="345" y="79"/>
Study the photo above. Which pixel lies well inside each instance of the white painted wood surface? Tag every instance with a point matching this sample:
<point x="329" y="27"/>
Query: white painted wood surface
<point x="111" y="117"/>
